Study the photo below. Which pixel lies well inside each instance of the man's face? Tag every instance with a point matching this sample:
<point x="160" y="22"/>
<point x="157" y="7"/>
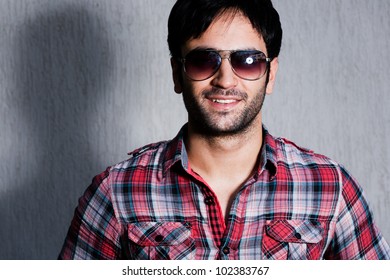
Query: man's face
<point x="224" y="104"/>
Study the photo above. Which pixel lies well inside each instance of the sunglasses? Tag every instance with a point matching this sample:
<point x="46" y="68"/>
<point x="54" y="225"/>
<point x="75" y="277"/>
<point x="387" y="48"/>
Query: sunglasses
<point x="249" y="65"/>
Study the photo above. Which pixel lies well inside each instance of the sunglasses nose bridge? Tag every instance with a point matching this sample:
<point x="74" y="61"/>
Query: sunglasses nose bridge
<point x="224" y="54"/>
<point x="224" y="76"/>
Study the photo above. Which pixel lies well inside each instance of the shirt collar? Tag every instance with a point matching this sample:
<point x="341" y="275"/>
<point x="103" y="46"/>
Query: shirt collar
<point x="268" y="154"/>
<point x="176" y="152"/>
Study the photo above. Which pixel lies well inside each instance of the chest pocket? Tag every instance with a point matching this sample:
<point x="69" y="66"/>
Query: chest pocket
<point x="160" y="241"/>
<point x="292" y="239"/>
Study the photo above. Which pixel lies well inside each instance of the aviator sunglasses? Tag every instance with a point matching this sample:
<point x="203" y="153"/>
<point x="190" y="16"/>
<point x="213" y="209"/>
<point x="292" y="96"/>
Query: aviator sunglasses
<point x="249" y="65"/>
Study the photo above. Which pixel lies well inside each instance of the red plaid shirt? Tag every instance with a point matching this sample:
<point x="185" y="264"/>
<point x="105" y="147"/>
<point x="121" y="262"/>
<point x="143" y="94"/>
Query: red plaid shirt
<point x="297" y="205"/>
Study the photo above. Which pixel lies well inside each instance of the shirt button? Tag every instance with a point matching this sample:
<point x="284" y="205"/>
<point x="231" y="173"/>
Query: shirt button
<point x="159" y="238"/>
<point x="298" y="235"/>
<point x="209" y="200"/>
<point x="226" y="250"/>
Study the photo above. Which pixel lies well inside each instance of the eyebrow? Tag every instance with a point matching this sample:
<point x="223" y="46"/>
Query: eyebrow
<point x="204" y="48"/>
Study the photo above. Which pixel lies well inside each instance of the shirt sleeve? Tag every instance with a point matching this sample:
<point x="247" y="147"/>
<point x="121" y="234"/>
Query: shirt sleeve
<point x="94" y="232"/>
<point x="356" y="235"/>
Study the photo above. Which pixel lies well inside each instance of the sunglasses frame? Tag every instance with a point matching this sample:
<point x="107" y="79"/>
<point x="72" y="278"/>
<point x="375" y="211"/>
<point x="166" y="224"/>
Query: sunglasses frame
<point x="226" y="54"/>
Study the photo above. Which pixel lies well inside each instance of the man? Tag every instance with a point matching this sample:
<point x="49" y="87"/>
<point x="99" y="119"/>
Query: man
<point x="224" y="188"/>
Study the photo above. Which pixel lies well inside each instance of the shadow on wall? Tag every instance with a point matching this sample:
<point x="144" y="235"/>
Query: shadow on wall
<point x="63" y="67"/>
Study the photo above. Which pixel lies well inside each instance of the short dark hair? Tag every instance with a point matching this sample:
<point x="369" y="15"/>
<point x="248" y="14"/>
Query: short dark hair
<point x="191" y="18"/>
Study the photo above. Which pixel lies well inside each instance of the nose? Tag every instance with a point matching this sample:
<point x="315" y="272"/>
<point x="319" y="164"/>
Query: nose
<point x="225" y="77"/>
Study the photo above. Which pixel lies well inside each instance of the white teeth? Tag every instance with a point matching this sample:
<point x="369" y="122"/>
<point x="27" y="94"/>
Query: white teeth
<point x="224" y="101"/>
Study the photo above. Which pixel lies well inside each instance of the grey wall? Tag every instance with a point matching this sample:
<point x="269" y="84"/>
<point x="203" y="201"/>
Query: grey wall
<point x="82" y="82"/>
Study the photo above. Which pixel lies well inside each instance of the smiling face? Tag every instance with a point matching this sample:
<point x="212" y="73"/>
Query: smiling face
<point x="224" y="104"/>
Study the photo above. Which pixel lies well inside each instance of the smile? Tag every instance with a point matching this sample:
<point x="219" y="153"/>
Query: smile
<point x="224" y="101"/>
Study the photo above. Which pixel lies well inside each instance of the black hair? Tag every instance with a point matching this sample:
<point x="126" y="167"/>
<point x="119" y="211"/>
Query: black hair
<point x="191" y="18"/>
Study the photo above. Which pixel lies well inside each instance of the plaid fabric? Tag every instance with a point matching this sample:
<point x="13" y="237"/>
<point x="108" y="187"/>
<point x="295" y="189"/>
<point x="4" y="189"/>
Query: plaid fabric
<point x="297" y="205"/>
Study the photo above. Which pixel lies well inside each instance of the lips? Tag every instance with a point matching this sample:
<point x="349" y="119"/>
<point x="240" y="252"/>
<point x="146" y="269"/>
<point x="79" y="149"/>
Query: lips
<point x="224" y="101"/>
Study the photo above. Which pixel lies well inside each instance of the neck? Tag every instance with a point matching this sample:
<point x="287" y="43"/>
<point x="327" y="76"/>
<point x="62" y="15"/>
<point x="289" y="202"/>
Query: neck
<point x="225" y="155"/>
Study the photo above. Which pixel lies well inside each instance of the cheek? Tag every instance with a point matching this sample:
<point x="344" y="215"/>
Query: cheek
<point x="255" y="87"/>
<point x="194" y="88"/>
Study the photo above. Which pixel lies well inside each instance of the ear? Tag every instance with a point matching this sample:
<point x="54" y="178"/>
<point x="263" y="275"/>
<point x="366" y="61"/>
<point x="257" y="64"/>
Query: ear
<point x="177" y="75"/>
<point x="272" y="75"/>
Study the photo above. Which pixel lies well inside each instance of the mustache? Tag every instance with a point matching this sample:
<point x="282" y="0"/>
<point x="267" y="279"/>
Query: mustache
<point x="221" y="92"/>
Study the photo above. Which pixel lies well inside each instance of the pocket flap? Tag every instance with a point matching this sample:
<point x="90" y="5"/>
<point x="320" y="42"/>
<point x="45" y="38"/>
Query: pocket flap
<point x="295" y="231"/>
<point x="159" y="233"/>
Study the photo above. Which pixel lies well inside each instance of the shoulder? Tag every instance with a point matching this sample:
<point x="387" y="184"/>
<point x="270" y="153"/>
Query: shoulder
<point x="146" y="155"/>
<point x="308" y="165"/>
<point x="146" y="163"/>
<point x="302" y="164"/>
<point x="291" y="153"/>
<point x="150" y="157"/>
<point x="150" y="154"/>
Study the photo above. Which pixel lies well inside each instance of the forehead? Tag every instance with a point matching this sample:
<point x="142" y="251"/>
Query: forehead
<point x="229" y="31"/>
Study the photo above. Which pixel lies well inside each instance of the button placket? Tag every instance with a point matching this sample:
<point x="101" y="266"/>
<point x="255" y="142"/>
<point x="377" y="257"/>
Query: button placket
<point x="214" y="215"/>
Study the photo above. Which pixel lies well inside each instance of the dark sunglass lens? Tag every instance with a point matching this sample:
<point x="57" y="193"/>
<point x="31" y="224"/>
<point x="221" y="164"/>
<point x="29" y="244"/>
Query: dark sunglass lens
<point x="248" y="64"/>
<point x="200" y="65"/>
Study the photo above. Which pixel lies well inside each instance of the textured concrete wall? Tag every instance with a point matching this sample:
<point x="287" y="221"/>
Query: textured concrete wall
<point x="82" y="82"/>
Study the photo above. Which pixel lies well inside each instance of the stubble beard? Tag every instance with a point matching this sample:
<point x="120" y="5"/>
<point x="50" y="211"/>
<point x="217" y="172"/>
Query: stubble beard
<point x="223" y="124"/>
